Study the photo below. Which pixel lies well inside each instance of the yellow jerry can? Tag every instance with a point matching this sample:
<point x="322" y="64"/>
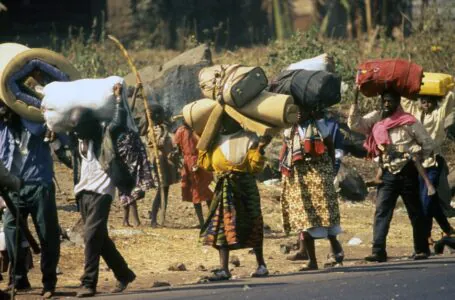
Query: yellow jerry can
<point x="436" y="84"/>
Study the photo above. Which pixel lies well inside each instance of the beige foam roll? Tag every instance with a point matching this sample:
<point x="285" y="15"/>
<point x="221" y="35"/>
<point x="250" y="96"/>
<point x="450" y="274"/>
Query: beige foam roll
<point x="13" y="57"/>
<point x="211" y="128"/>
<point x="250" y="124"/>
<point x="273" y="109"/>
<point x="197" y="113"/>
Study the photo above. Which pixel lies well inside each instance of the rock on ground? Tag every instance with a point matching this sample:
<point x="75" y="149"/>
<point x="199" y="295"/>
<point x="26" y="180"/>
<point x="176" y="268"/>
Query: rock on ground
<point x="350" y="183"/>
<point x="177" y="267"/>
<point x="173" y="84"/>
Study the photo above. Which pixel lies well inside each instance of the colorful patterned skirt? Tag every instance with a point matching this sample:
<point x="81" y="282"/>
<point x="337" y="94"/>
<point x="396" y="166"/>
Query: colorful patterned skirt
<point x="309" y="199"/>
<point x="132" y="151"/>
<point x="235" y="218"/>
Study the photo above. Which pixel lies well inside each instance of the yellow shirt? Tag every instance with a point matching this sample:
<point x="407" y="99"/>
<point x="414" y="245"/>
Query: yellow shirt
<point x="235" y="152"/>
<point x="406" y="140"/>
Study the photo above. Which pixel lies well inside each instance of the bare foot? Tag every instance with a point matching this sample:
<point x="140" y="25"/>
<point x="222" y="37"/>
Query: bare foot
<point x="126" y="224"/>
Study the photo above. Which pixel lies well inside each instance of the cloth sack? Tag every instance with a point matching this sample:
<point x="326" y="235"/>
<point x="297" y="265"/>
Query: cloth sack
<point x="374" y="77"/>
<point x="312" y="90"/>
<point x="60" y="98"/>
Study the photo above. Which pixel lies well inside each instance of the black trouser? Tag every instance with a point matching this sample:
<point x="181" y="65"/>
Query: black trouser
<point x="432" y="205"/>
<point x="95" y="213"/>
<point x="406" y="185"/>
<point x="435" y="211"/>
<point x="38" y="200"/>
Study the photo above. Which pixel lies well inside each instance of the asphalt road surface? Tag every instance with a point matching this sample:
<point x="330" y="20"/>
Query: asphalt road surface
<point x="429" y="279"/>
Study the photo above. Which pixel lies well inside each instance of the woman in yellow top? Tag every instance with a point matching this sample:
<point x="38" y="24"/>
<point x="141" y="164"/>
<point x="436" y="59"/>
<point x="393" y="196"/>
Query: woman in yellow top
<point x="235" y="217"/>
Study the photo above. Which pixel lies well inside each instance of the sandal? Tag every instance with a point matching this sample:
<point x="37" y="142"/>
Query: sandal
<point x="261" y="271"/>
<point x="219" y="275"/>
<point x="334" y="260"/>
<point x="308" y="267"/>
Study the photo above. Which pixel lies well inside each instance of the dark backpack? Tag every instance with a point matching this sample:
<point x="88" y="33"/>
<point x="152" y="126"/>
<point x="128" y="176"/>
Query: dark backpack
<point x="312" y="90"/>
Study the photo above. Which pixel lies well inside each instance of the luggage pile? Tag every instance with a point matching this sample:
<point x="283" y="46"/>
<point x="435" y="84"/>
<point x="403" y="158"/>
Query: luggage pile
<point x="23" y="74"/>
<point x="239" y="91"/>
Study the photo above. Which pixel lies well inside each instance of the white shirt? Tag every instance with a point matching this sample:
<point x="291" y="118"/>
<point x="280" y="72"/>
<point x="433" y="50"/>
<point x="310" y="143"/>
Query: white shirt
<point x="235" y="146"/>
<point x="93" y="177"/>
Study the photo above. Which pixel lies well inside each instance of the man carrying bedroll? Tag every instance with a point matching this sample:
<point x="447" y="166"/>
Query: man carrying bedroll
<point x="394" y="139"/>
<point x="28" y="157"/>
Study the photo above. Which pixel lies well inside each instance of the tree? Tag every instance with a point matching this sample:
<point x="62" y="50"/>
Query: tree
<point x="223" y="22"/>
<point x="349" y="18"/>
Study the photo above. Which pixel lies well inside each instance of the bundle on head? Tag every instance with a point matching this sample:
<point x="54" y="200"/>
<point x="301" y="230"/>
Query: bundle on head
<point x="374" y="77"/>
<point x="436" y="84"/>
<point x="238" y="91"/>
<point x="311" y="90"/>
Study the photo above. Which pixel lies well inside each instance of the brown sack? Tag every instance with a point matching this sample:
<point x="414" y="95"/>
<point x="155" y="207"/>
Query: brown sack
<point x="237" y="85"/>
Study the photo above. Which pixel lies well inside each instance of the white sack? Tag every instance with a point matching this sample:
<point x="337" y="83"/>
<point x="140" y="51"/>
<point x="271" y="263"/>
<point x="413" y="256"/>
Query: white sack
<point x="97" y="94"/>
<point x="322" y="62"/>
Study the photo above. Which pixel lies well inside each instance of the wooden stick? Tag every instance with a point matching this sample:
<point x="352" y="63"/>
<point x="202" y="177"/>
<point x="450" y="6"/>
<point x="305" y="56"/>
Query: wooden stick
<point x="22" y="225"/>
<point x="151" y="124"/>
<point x="368" y="16"/>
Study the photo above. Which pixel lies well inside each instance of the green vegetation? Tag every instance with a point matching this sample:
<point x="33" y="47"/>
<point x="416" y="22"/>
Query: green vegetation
<point x="433" y="47"/>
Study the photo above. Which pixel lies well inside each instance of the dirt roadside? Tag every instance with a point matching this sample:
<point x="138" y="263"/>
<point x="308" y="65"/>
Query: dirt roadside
<point x="150" y="252"/>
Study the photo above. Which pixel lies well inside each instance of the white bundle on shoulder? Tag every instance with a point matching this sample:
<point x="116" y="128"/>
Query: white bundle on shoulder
<point x="60" y="98"/>
<point x="323" y="62"/>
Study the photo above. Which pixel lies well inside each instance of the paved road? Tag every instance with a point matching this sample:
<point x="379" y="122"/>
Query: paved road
<point x="431" y="279"/>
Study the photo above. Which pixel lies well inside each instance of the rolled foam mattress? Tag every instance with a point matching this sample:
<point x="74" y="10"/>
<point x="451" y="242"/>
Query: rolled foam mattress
<point x="20" y="64"/>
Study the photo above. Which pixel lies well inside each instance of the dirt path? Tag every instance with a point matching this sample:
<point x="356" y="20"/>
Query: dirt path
<point x="150" y="252"/>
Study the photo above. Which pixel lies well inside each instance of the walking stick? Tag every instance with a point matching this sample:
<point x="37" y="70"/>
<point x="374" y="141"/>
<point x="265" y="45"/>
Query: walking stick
<point x="16" y="251"/>
<point x="151" y="124"/>
<point x="21" y="223"/>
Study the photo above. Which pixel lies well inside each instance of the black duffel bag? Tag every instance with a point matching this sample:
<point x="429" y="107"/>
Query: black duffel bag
<point x="314" y="90"/>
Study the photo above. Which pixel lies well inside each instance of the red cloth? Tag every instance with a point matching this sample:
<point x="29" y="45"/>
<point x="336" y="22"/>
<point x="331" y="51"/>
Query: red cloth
<point x="195" y="185"/>
<point x="380" y="132"/>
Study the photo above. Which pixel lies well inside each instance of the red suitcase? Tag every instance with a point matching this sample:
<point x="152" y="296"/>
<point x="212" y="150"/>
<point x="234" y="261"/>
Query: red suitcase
<point x="376" y="76"/>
